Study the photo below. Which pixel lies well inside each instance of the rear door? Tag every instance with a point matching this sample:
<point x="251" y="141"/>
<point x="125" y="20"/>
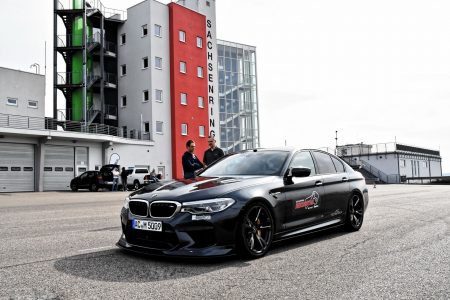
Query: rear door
<point x="335" y="183"/>
<point x="304" y="196"/>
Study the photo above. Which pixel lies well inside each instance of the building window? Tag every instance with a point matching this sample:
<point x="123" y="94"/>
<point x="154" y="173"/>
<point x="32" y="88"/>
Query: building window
<point x="402" y="163"/>
<point x="182" y="36"/>
<point x="199" y="42"/>
<point x="12" y="101"/>
<point x="32" y="104"/>
<point x="182" y="67"/>
<point x="159" y="127"/>
<point x="123" y="39"/>
<point x="200" y="72"/>
<point x="124" y="131"/>
<point x="184" y="129"/>
<point x="145" y="96"/>
<point x="158" y="95"/>
<point x="123" y="70"/>
<point x="158" y="30"/>
<point x="183" y="99"/>
<point x="207" y="3"/>
<point x="158" y="62"/>
<point x="144" y="30"/>
<point x="201" y="102"/>
<point x="201" y="131"/>
<point x="146" y="127"/>
<point x="124" y="101"/>
<point x="145" y="63"/>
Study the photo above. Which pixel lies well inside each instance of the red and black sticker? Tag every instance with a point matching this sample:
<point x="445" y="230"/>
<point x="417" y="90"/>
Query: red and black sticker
<point x="308" y="203"/>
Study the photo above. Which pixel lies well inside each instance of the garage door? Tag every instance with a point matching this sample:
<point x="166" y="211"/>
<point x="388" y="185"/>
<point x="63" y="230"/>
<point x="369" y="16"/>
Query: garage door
<point x="58" y="167"/>
<point x="16" y="167"/>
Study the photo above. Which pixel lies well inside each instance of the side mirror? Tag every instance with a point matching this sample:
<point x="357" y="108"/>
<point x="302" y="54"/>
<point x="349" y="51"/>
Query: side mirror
<point x="300" y="172"/>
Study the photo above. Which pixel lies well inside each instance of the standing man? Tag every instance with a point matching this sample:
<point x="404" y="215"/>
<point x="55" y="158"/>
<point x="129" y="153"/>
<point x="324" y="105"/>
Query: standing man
<point x="115" y="184"/>
<point x="190" y="162"/>
<point x="213" y="153"/>
<point x="123" y="176"/>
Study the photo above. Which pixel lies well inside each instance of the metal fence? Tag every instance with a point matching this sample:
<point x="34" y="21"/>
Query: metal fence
<point x="38" y="123"/>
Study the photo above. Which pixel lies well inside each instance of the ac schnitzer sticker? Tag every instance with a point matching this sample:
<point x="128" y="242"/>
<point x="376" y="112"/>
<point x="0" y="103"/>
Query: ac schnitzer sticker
<point x="308" y="203"/>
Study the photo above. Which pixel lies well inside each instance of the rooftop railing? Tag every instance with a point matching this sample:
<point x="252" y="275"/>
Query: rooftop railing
<point x="39" y="123"/>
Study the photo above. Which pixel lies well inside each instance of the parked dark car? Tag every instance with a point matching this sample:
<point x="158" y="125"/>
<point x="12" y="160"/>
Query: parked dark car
<point x="243" y="203"/>
<point x="88" y="180"/>
<point x="106" y="175"/>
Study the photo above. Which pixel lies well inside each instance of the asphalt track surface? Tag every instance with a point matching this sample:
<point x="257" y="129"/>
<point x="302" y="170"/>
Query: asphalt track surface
<point x="61" y="245"/>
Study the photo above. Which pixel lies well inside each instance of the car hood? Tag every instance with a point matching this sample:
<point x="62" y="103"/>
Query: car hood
<point x="201" y="188"/>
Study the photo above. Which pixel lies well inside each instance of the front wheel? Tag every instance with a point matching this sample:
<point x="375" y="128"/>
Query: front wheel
<point x="136" y="185"/>
<point x="73" y="187"/>
<point x="255" y="231"/>
<point x="355" y="213"/>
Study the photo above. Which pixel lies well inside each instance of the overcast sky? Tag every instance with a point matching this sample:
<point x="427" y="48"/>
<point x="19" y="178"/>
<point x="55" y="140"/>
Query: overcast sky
<point x="375" y="71"/>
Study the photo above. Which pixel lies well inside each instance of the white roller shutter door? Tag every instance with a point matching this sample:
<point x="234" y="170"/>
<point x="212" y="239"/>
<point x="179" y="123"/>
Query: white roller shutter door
<point x="16" y="167"/>
<point x="58" y="167"/>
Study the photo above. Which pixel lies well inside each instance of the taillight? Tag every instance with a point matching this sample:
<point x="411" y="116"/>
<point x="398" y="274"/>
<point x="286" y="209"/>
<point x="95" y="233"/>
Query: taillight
<point x="99" y="177"/>
<point x="146" y="177"/>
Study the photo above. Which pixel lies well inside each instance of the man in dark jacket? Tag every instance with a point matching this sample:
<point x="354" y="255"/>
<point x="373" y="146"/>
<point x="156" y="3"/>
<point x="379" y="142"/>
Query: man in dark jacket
<point x="190" y="162"/>
<point x="213" y="153"/>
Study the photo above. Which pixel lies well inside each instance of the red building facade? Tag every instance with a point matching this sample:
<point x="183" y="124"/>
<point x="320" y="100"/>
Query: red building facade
<point x="189" y="86"/>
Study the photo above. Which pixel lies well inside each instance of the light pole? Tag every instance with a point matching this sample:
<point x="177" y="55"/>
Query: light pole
<point x="37" y="66"/>
<point x="336" y="138"/>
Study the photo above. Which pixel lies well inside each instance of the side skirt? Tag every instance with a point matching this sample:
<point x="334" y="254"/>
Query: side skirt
<point x="331" y="223"/>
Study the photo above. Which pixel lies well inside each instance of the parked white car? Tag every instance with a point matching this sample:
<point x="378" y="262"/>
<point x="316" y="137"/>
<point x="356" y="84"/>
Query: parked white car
<point x="136" y="177"/>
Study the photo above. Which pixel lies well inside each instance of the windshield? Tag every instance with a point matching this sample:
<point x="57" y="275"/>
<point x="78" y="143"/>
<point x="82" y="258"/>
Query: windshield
<point x="249" y="163"/>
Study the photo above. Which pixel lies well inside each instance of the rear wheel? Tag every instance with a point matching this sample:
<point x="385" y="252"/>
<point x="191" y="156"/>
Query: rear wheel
<point x="355" y="213"/>
<point x="255" y="231"/>
<point x="93" y="187"/>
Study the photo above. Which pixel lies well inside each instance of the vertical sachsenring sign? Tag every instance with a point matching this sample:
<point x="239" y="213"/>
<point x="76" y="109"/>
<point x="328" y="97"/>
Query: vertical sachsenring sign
<point x="213" y="86"/>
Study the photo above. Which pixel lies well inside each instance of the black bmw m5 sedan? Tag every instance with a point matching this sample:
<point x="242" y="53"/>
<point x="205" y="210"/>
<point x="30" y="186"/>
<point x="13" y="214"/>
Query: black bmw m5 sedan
<point x="243" y="203"/>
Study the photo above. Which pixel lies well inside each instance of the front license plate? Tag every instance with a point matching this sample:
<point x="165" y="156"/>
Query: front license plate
<point x="147" y="225"/>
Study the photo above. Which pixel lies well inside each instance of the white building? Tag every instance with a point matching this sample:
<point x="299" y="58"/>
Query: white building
<point x="393" y="162"/>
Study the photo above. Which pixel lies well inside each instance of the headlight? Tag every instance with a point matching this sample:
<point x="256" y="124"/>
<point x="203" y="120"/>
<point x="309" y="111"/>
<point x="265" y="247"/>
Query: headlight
<point x="126" y="202"/>
<point x="207" y="206"/>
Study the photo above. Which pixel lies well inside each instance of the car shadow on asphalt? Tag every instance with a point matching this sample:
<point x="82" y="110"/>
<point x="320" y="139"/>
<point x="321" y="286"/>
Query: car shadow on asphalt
<point x="117" y="265"/>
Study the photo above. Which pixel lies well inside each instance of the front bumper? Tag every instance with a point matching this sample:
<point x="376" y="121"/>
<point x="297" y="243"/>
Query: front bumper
<point x="183" y="235"/>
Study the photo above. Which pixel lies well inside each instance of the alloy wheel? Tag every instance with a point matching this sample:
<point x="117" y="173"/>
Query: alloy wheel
<point x="356" y="211"/>
<point x="257" y="230"/>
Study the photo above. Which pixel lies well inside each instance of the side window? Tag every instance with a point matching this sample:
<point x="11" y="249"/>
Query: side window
<point x="324" y="163"/>
<point x="84" y="175"/>
<point x="141" y="171"/>
<point x="339" y="166"/>
<point x="303" y="159"/>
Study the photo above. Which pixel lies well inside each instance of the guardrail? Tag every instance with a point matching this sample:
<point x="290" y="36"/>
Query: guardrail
<point x="39" y="123"/>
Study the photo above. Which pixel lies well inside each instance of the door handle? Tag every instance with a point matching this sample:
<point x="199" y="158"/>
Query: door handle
<point x="319" y="183"/>
<point x="344" y="179"/>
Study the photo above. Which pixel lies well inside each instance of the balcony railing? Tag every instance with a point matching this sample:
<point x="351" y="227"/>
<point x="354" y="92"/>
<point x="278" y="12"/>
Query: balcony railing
<point x="110" y="78"/>
<point x="92" y="4"/>
<point x="39" y="123"/>
<point x="69" y="40"/>
<point x="69" y="78"/>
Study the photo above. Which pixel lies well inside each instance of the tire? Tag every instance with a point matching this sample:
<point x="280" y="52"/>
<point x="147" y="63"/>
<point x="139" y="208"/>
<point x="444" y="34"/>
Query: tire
<point x="136" y="185"/>
<point x="93" y="187"/>
<point x="255" y="231"/>
<point x="73" y="187"/>
<point x="355" y="213"/>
